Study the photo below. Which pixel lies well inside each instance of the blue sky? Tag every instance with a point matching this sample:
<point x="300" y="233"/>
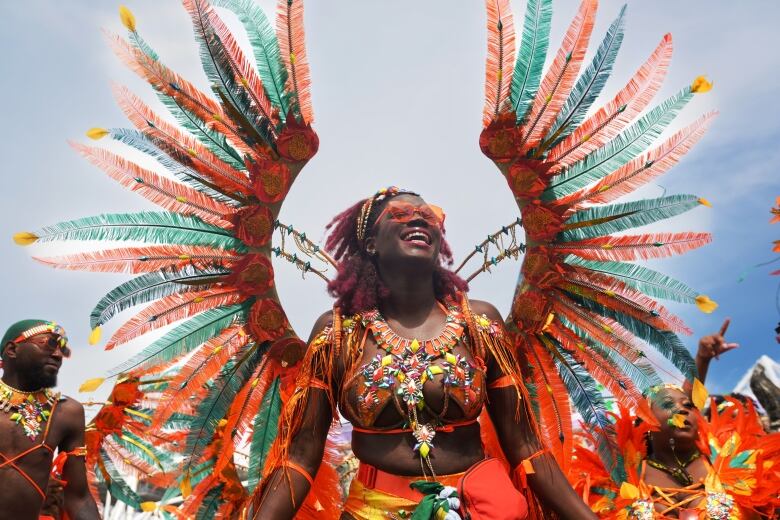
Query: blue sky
<point x="397" y="91"/>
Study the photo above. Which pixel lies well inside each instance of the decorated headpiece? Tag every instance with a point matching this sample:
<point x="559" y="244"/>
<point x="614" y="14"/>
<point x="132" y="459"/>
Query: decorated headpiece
<point x="25" y="329"/>
<point x="370" y="203"/>
<point x="653" y="391"/>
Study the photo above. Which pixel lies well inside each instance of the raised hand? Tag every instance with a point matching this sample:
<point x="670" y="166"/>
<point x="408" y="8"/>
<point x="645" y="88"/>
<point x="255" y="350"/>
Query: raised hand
<point x="714" y="345"/>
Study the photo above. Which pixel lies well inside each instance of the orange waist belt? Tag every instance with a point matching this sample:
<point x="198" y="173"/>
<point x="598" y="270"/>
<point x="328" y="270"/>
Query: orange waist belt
<point x="398" y="485"/>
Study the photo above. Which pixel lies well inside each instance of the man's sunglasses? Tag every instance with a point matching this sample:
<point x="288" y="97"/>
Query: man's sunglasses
<point x="49" y="343"/>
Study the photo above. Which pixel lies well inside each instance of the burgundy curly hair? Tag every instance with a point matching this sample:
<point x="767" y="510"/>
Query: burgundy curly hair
<point x="357" y="286"/>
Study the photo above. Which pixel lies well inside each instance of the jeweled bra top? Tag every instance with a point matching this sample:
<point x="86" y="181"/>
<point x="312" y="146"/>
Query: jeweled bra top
<point x="430" y="375"/>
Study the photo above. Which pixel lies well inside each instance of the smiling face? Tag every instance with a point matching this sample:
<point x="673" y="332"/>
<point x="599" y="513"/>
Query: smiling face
<point x="407" y="229"/>
<point x="677" y="414"/>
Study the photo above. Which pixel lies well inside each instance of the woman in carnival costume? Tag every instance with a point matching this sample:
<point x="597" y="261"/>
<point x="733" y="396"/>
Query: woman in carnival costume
<point x="405" y="355"/>
<point x="675" y="463"/>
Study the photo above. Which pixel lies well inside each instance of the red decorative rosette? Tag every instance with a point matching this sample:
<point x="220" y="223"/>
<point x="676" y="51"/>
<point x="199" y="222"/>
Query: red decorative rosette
<point x="501" y="139"/>
<point x="252" y="275"/>
<point x="541" y="223"/>
<point x="254" y="225"/>
<point x="530" y="310"/>
<point x="297" y="142"/>
<point x="528" y="179"/>
<point x="541" y="269"/>
<point x="270" y="179"/>
<point x="267" y="320"/>
<point x="125" y="393"/>
<point x="288" y="351"/>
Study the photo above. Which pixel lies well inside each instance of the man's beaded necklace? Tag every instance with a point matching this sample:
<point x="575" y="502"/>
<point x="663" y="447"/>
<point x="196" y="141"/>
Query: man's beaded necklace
<point x="28" y="409"/>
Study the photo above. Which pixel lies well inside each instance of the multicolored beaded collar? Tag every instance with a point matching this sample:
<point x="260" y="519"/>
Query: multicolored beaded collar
<point x="30" y="409"/>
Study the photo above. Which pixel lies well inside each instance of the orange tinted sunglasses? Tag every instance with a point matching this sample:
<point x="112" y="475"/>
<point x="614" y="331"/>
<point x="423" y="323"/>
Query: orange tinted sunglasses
<point x="403" y="212"/>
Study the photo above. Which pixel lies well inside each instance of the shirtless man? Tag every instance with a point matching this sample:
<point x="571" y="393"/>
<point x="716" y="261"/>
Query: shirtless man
<point x="35" y="421"/>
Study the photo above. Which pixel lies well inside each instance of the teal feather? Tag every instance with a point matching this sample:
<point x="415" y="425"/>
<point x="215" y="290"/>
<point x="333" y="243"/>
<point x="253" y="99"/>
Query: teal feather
<point x="148" y="226"/>
<point x="639" y="371"/>
<point x="262" y="37"/>
<point x="116" y="485"/>
<point x="187" y="336"/>
<point x="187" y="175"/>
<point x="217" y="65"/>
<point x="626" y="146"/>
<point x="590" y="83"/>
<point x="264" y="432"/>
<point x="627" y="215"/>
<point x="196" y="475"/>
<point x="667" y="343"/>
<point x="142" y="45"/>
<point x="530" y="58"/>
<point x="740" y="459"/>
<point x="650" y="282"/>
<point x="220" y="396"/>
<point x="153" y="286"/>
<point x="164" y="458"/>
<point x="211" y="502"/>
<point x="588" y="400"/>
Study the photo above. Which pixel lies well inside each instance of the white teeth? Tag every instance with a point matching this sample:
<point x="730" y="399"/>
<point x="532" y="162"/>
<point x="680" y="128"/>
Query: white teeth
<point x="417" y="235"/>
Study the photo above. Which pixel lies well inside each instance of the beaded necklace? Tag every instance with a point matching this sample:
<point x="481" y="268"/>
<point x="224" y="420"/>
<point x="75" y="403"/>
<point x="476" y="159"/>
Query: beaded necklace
<point x="409" y="363"/>
<point x="30" y="409"/>
<point x="679" y="474"/>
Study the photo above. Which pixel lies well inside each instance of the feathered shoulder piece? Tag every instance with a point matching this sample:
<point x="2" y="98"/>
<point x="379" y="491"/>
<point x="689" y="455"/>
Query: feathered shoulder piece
<point x="220" y="167"/>
<point x="584" y="312"/>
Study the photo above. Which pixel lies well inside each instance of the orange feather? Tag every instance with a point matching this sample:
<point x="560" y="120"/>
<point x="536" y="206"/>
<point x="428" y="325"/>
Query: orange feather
<point x="185" y="149"/>
<point x="242" y="67"/>
<point x="647" y="167"/>
<point x="500" y="59"/>
<point x="173" y="308"/>
<point x="609" y="120"/>
<point x="559" y="80"/>
<point x="166" y="193"/>
<point x="185" y="94"/>
<point x="292" y="46"/>
<point x="201" y="367"/>
<point x="601" y="368"/>
<point x="553" y="402"/>
<point x="144" y="259"/>
<point x="634" y="247"/>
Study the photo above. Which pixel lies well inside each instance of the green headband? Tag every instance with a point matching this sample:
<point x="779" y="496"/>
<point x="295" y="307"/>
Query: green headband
<point x="20" y="327"/>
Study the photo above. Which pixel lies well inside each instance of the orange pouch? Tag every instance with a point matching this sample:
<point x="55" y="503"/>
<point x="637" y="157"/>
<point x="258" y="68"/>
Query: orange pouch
<point x="487" y="493"/>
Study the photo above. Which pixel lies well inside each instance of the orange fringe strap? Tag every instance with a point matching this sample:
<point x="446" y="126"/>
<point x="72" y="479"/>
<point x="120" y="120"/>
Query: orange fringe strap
<point x="524" y="468"/>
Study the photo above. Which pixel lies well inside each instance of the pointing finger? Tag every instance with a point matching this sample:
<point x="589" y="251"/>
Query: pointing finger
<point x="725" y="326"/>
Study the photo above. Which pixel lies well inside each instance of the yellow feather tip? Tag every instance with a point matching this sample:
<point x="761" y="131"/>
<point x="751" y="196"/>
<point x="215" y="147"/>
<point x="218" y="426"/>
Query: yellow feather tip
<point x="25" y="238"/>
<point x="127" y="17"/>
<point x="90" y="385"/>
<point x="148" y="507"/>
<point x="699" y="394"/>
<point x="705" y="202"/>
<point x="186" y="487"/>
<point x="94" y="336"/>
<point x="701" y="85"/>
<point x="629" y="491"/>
<point x="705" y="305"/>
<point x="97" y="133"/>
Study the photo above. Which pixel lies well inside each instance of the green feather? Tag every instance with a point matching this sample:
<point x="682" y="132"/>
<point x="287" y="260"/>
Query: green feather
<point x="619" y="151"/>
<point x="264" y="432"/>
<point x="667" y="343"/>
<point x="220" y="397"/>
<point x="589" y="84"/>
<point x="211" y="502"/>
<point x="530" y="59"/>
<point x="164" y="461"/>
<point x="148" y="226"/>
<point x="187" y="336"/>
<point x="588" y="400"/>
<point x="627" y="215"/>
<point x="217" y="65"/>
<point x="262" y="37"/>
<point x="187" y="175"/>
<point x="650" y="282"/>
<point x="640" y="371"/>
<point x="153" y="286"/>
<point x="116" y="485"/>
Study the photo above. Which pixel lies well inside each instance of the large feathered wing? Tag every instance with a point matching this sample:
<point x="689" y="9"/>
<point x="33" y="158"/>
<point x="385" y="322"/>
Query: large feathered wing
<point x="204" y="265"/>
<point x="582" y="312"/>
